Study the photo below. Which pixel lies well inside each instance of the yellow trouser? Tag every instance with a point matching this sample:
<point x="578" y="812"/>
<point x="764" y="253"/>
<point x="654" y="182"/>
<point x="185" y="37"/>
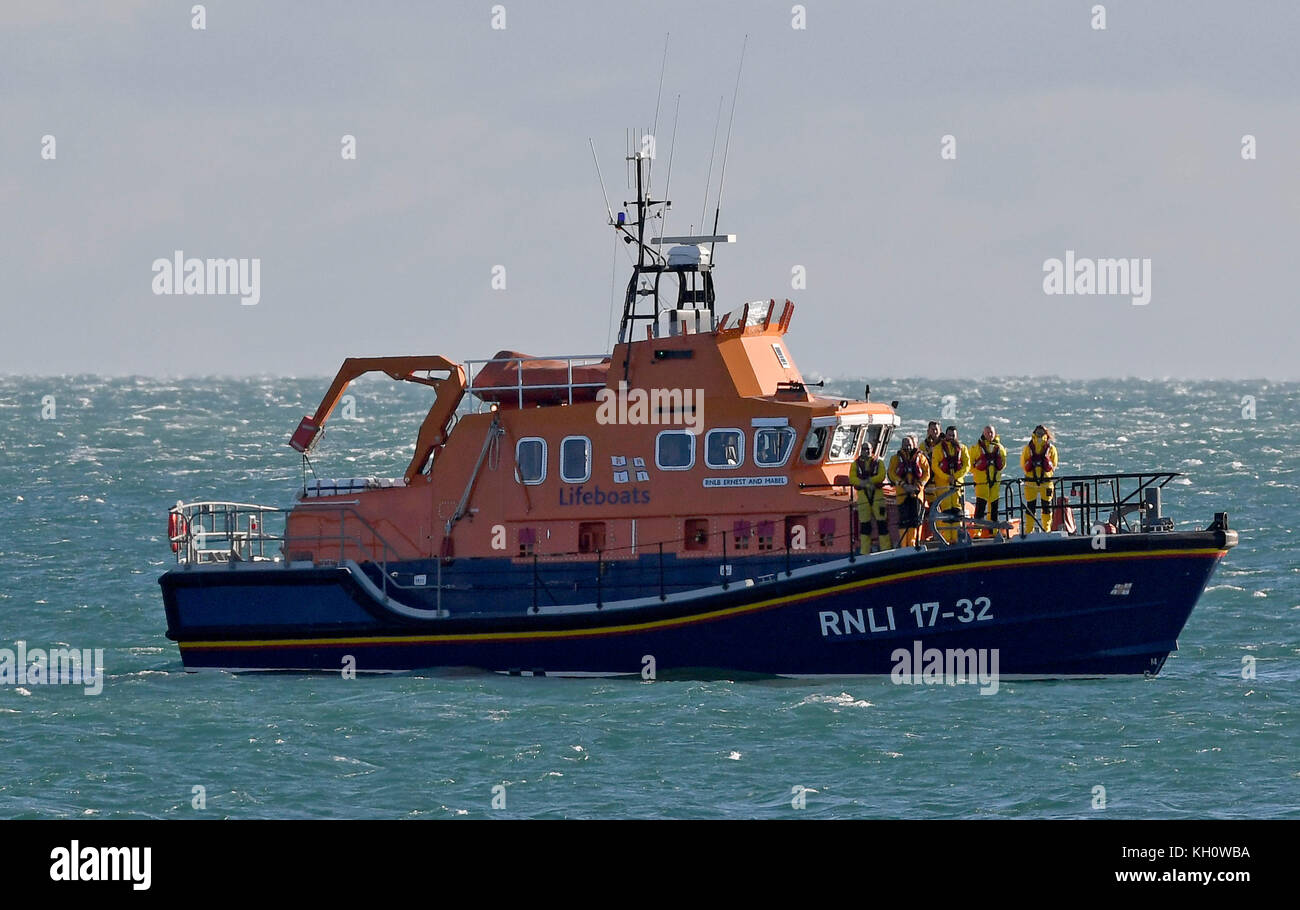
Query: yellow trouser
<point x="989" y="494"/>
<point x="1038" y="501"/>
<point x="952" y="502"/>
<point x="869" y="509"/>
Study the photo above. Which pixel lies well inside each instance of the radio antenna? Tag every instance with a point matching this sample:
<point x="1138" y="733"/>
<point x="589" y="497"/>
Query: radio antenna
<point x="609" y="211"/>
<point x="654" y="130"/>
<point x="663" y="217"/>
<point x="722" y="178"/>
<point x="704" y="207"/>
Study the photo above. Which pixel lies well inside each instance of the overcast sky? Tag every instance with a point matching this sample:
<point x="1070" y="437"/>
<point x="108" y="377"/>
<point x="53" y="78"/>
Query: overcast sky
<point x="472" y="152"/>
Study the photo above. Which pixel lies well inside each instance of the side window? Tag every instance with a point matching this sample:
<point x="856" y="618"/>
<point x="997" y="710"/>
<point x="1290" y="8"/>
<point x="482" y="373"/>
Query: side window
<point x="724" y="448"/>
<point x="772" y="446"/>
<point x="575" y="459"/>
<point x="530" y="460"/>
<point x="875" y="441"/>
<point x="675" y="450"/>
<point x="844" y="443"/>
<point x="814" y="445"/>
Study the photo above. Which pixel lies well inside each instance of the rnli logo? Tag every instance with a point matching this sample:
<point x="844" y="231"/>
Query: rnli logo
<point x="580" y="495"/>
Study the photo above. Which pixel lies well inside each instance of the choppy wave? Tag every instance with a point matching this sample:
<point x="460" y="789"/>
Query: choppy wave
<point x="82" y="520"/>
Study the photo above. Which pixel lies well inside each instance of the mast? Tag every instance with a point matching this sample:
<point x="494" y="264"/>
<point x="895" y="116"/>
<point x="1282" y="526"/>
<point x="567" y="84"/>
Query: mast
<point x="688" y="259"/>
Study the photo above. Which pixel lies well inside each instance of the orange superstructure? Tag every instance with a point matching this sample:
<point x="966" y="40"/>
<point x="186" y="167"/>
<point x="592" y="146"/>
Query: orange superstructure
<point x="730" y="442"/>
<point x="697" y="434"/>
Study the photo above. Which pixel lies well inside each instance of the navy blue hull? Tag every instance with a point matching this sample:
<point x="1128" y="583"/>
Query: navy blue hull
<point x="1049" y="607"/>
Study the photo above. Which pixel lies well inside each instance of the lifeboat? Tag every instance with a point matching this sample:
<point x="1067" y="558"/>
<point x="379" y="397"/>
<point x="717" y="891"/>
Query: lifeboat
<point x="511" y="379"/>
<point x="696" y="520"/>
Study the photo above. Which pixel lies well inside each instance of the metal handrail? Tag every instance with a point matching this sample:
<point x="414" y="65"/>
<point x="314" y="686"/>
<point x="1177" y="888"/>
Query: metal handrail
<point x="779" y="560"/>
<point x="474" y="367"/>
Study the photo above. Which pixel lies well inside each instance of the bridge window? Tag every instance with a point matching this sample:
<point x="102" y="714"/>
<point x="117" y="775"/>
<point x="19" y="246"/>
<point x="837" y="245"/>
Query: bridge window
<point x="724" y="448"/>
<point x="844" y="442"/>
<point x="530" y="460"/>
<point x="575" y="459"/>
<point x="814" y="445"/>
<point x="772" y="446"/>
<point x="675" y="450"/>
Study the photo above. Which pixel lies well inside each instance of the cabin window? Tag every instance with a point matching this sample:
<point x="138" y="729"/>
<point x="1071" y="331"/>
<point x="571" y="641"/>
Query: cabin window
<point x="814" y="446"/>
<point x="772" y="446"/>
<point x="530" y="460"/>
<point x="724" y="448"/>
<point x="575" y="459"/>
<point x="675" y="450"/>
<point x="844" y="442"/>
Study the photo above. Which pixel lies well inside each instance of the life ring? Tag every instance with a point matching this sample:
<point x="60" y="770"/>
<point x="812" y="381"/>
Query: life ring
<point x="177" y="527"/>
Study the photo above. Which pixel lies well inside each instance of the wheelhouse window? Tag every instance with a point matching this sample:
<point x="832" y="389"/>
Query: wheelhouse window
<point x="530" y="460"/>
<point x="724" y="448"/>
<point x="844" y="442"/>
<point x="877" y="438"/>
<point x="772" y="446"/>
<point x="575" y="459"/>
<point x="814" y="445"/>
<point x="675" y="450"/>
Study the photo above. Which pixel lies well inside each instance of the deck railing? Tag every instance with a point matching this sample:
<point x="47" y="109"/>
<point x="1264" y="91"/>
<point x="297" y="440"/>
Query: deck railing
<point x="222" y="532"/>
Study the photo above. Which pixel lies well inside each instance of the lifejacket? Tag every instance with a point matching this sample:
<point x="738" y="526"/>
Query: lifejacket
<point x="870" y="469"/>
<point x="928" y="448"/>
<point x="1038" y="463"/>
<point x="992" y="461"/>
<point x="908" y="469"/>
<point x="950" y="462"/>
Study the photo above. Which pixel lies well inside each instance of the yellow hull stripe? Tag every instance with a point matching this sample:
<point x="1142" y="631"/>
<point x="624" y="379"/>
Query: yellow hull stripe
<point x="686" y="620"/>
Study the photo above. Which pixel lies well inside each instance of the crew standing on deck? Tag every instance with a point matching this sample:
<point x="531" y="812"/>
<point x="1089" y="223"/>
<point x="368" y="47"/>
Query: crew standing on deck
<point x="909" y="469"/>
<point x="949" y="466"/>
<point x="988" y="458"/>
<point x="928" y="447"/>
<point x="868" y="475"/>
<point x="1039" y="463"/>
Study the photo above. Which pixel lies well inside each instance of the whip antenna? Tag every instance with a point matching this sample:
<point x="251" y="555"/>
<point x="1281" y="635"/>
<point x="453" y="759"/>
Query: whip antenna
<point x="722" y="178"/>
<point x="654" y="130"/>
<point x="609" y="211"/>
<point x="704" y="207"/>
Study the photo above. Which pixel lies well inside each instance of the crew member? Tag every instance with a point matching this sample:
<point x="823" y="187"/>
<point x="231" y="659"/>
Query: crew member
<point x="867" y="475"/>
<point x="932" y="438"/>
<point x="988" y="458"/>
<point x="949" y="466"/>
<point x="909" y="469"/>
<point x="1039" y="463"/>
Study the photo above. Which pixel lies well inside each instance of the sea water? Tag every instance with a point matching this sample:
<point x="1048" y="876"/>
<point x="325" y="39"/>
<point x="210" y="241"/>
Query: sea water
<point x="89" y="467"/>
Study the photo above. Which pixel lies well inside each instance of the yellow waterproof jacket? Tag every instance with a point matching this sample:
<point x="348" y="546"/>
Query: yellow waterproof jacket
<point x="950" y="463"/>
<point x="929" y="450"/>
<point x="874" y="480"/>
<point x="916" y="472"/>
<point x="1038" y="461"/>
<point x="988" y="460"/>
